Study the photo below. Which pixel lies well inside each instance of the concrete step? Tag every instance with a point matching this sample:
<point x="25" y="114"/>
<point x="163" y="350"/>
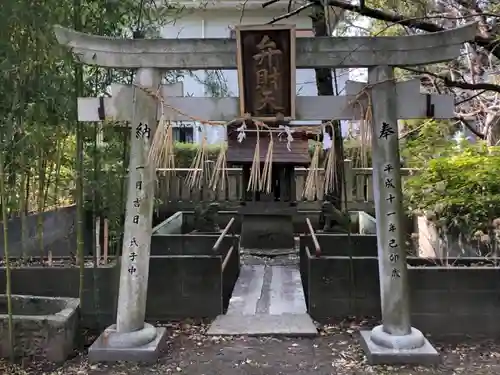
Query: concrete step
<point x="290" y="325"/>
<point x="266" y="300"/>
<point x="267" y="289"/>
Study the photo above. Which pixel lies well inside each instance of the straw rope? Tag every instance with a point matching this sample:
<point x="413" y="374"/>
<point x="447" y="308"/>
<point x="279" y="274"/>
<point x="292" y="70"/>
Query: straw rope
<point x="215" y="175"/>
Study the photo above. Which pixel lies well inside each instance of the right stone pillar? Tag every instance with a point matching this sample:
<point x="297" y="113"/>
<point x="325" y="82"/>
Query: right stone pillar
<point x="395" y="341"/>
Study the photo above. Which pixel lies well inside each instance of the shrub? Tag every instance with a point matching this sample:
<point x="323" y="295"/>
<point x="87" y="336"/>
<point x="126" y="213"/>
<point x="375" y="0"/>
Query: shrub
<point x="460" y="191"/>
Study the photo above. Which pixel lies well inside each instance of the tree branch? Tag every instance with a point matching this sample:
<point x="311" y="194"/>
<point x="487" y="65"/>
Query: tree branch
<point x="448" y="82"/>
<point x="471" y="128"/>
<point x="490" y="44"/>
<point x="290" y="13"/>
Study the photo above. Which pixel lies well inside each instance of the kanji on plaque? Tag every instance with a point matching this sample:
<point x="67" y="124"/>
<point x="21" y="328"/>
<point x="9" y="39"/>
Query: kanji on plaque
<point x="267" y="52"/>
<point x="268" y="76"/>
<point x="266" y="66"/>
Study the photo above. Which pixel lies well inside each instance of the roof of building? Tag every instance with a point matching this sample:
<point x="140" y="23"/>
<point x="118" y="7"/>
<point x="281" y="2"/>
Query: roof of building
<point x="234" y="4"/>
<point x="244" y="152"/>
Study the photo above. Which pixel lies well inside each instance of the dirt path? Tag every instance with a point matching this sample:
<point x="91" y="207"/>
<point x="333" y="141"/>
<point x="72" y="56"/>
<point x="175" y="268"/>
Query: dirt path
<point x="335" y="352"/>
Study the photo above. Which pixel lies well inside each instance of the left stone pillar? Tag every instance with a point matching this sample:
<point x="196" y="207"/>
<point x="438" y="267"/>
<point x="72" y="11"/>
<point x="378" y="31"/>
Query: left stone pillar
<point x="131" y="339"/>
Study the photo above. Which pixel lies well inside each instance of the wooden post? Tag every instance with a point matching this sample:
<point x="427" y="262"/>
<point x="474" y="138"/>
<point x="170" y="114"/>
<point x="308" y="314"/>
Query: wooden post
<point x="349" y="180"/>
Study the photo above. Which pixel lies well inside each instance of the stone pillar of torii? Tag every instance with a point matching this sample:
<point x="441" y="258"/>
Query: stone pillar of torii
<point x="395" y="341"/>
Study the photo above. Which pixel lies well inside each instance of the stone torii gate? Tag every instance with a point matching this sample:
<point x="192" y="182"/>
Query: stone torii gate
<point x="395" y="341"/>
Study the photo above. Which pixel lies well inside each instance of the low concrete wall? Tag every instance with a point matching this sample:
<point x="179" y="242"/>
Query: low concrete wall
<point x="190" y="286"/>
<point x="186" y="277"/>
<point x="100" y="288"/>
<point x="179" y="286"/>
<point x="445" y="301"/>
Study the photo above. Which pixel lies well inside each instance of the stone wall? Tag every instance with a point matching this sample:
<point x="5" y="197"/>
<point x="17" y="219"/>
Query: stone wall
<point x="445" y="300"/>
<point x="432" y="243"/>
<point x="58" y="234"/>
<point x="187" y="277"/>
<point x="100" y="288"/>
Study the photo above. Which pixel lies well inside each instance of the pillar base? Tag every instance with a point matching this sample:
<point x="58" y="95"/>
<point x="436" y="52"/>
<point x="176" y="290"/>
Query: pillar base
<point x="382" y="348"/>
<point x="144" y="345"/>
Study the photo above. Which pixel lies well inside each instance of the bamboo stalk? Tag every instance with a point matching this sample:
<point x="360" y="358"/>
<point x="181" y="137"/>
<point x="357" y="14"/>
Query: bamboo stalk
<point x="77" y="24"/>
<point x="105" y="244"/>
<point x="52" y="166"/>
<point x="41" y="204"/>
<point x="6" y="257"/>
<point x="58" y="173"/>
<point x="22" y="205"/>
<point x="97" y="240"/>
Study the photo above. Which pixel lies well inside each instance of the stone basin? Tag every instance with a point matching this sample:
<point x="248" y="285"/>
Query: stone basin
<point x="44" y="327"/>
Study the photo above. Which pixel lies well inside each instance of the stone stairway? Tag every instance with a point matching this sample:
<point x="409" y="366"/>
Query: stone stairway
<point x="267" y="300"/>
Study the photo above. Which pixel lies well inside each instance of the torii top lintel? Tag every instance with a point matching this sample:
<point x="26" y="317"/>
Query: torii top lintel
<point x="323" y="52"/>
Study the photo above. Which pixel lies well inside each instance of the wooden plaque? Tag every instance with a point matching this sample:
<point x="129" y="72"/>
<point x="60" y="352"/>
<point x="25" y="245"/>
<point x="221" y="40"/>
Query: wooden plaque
<point x="266" y="70"/>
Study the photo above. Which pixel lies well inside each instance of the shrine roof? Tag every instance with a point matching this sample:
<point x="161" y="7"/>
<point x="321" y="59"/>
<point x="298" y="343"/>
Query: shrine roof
<point x="244" y="152"/>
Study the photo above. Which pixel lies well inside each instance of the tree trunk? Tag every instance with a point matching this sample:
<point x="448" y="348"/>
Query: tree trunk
<point x="325" y="87"/>
<point x="492" y="129"/>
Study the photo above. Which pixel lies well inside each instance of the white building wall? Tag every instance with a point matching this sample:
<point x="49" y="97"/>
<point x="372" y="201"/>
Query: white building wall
<point x="213" y="23"/>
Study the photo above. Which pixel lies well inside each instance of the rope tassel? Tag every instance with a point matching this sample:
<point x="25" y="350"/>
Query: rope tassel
<point x="220" y="170"/>
<point x="266" y="180"/>
<point x="255" y="174"/>
<point x="330" y="165"/>
<point x="312" y="179"/>
<point x="196" y="176"/>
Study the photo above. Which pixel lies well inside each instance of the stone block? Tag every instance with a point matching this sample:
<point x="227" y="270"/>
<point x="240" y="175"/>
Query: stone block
<point x="426" y="355"/>
<point x="102" y="350"/>
<point x="267" y="232"/>
<point x="295" y="325"/>
<point x="185" y="287"/>
<point x="44" y="327"/>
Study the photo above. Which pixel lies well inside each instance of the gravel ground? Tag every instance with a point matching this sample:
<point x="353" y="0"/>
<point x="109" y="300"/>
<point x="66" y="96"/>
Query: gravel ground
<point x="336" y="351"/>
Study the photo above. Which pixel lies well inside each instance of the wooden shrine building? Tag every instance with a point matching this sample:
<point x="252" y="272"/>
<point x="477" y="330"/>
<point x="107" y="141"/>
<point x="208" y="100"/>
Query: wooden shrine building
<point x="284" y="160"/>
<point x="266" y="78"/>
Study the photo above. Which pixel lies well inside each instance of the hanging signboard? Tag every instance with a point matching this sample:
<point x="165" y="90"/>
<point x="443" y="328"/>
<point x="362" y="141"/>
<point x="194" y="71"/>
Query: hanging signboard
<point x="266" y="71"/>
